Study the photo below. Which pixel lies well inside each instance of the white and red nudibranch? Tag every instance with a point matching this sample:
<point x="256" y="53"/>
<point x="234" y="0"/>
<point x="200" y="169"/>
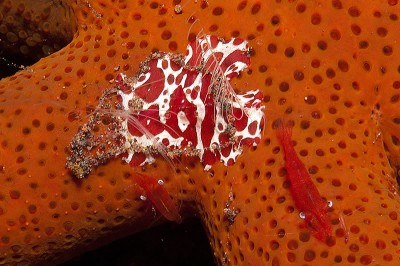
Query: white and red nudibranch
<point x="176" y="105"/>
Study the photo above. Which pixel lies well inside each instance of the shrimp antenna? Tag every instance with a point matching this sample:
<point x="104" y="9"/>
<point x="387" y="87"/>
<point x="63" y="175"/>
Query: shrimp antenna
<point x="129" y="116"/>
<point x="224" y="96"/>
<point x="162" y="150"/>
<point x="191" y="26"/>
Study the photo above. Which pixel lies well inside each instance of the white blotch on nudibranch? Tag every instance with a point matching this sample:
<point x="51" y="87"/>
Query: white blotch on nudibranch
<point x="183" y="122"/>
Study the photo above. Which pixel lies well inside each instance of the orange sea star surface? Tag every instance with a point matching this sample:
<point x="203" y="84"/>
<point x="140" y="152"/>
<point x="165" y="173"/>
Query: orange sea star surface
<point x="329" y="68"/>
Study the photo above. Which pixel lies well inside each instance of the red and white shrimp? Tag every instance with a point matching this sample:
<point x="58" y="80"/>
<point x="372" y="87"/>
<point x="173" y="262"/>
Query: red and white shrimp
<point x="304" y="192"/>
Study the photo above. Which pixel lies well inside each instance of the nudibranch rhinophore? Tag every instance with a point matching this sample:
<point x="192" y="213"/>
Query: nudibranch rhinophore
<point x="175" y="106"/>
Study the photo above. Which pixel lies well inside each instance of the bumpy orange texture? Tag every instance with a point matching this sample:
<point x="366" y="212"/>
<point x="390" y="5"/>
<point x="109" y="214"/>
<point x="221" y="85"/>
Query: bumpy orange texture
<point x="330" y="67"/>
<point x="35" y="29"/>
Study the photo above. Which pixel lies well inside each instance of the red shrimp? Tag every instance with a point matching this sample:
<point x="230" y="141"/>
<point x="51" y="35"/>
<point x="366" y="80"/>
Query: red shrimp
<point x="304" y="192"/>
<point x="159" y="196"/>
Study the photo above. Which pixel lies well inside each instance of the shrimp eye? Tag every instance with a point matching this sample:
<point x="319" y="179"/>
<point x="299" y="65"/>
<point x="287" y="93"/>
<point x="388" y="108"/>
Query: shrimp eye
<point x="330" y="203"/>
<point x="160" y="182"/>
<point x="302" y="215"/>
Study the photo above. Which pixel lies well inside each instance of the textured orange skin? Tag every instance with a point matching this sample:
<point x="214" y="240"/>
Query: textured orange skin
<point x="340" y="134"/>
<point x="35" y="29"/>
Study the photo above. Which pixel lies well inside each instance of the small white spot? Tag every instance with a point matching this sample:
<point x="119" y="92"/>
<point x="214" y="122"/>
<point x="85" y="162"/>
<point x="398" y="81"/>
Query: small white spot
<point x="178" y="9"/>
<point x="143" y="197"/>
<point x="302" y="215"/>
<point x="214" y="146"/>
<point x="160" y="182"/>
<point x="330" y="203"/>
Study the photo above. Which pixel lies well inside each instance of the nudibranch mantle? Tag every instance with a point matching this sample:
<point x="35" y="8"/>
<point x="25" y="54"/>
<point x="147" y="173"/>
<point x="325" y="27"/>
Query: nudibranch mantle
<point x="176" y="105"/>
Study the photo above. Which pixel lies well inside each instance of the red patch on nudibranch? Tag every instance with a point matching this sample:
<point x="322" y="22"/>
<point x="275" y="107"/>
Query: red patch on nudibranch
<point x="177" y="105"/>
